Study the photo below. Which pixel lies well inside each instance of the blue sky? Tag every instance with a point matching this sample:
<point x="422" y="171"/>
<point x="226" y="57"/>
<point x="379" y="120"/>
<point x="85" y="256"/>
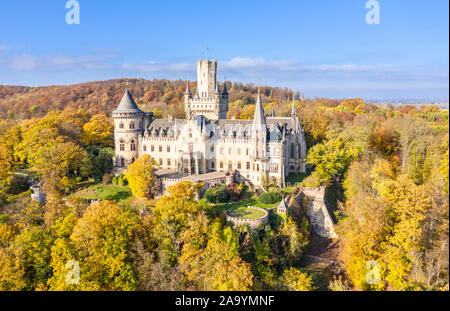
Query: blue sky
<point x="319" y="47"/>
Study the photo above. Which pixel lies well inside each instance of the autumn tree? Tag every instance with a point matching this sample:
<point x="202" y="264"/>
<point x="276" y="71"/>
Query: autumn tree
<point x="98" y="131"/>
<point x="295" y="280"/>
<point x="141" y="177"/>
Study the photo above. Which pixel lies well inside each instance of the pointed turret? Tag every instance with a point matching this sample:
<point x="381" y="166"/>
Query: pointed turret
<point x="259" y="120"/>
<point x="294" y="111"/>
<point x="225" y="91"/>
<point x="217" y="88"/>
<point x="127" y="104"/>
<point x="188" y="91"/>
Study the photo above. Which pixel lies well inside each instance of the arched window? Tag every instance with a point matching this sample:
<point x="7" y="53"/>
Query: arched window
<point x="131" y="125"/>
<point x="292" y="151"/>
<point x="122" y="146"/>
<point x="133" y="160"/>
<point x="299" y="151"/>
<point x="133" y="145"/>
<point x="121" y="125"/>
<point x="122" y="162"/>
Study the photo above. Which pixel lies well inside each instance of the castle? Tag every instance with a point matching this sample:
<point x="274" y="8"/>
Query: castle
<point x="206" y="146"/>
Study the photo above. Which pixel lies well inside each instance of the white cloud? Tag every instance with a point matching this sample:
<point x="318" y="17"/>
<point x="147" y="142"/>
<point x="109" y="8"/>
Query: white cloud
<point x="260" y="64"/>
<point x="46" y="63"/>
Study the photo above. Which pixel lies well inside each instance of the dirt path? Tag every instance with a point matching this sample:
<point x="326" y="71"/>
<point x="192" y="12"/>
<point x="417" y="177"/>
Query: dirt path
<point x="324" y="248"/>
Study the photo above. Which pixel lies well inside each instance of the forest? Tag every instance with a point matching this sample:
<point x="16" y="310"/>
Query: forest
<point x="386" y="170"/>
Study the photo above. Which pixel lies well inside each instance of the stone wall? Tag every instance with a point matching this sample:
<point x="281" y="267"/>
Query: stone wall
<point x="253" y="223"/>
<point x="317" y="212"/>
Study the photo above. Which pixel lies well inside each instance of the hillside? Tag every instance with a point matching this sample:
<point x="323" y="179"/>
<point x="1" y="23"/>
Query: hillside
<point x="160" y="96"/>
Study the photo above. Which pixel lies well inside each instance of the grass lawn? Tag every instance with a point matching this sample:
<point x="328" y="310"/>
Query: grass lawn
<point x="244" y="212"/>
<point x="104" y="192"/>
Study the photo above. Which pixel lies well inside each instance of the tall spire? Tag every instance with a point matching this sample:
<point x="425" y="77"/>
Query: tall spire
<point x="217" y="88"/>
<point x="259" y="118"/>
<point x="294" y="111"/>
<point x="188" y="91"/>
<point x="225" y="92"/>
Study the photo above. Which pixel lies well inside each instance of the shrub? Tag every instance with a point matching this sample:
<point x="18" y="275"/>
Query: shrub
<point x="312" y="181"/>
<point x="106" y="179"/>
<point x="269" y="197"/>
<point x="217" y="194"/>
<point x="122" y="181"/>
<point x="234" y="192"/>
<point x="115" y="180"/>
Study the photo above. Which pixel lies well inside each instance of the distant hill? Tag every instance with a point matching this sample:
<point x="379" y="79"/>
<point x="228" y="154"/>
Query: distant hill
<point x="161" y="96"/>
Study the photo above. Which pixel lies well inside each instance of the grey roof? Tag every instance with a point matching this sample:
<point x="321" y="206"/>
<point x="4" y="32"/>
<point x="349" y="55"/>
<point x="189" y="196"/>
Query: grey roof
<point x="259" y="118"/>
<point x="217" y="88"/>
<point x="225" y="92"/>
<point x="188" y="91"/>
<point x="282" y="204"/>
<point x="127" y="104"/>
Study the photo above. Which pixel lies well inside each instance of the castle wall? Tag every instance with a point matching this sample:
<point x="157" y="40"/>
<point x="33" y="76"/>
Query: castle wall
<point x="318" y="213"/>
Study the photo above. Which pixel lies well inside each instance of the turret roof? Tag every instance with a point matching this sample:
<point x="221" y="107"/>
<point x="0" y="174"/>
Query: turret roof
<point x="259" y="118"/>
<point x="127" y="104"/>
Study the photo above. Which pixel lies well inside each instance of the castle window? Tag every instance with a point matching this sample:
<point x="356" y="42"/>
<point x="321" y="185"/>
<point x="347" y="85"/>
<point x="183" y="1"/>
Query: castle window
<point x="247" y="151"/>
<point x="160" y="148"/>
<point x="299" y="151"/>
<point x="131" y="125"/>
<point x="212" y="164"/>
<point x="122" y="146"/>
<point x="122" y="162"/>
<point x="239" y="165"/>
<point x="133" y="160"/>
<point x="168" y="148"/>
<point x="257" y="167"/>
<point x="160" y="161"/>
<point x="145" y="148"/>
<point x="230" y="166"/>
<point x="221" y="164"/>
<point x="274" y="167"/>
<point x="211" y="134"/>
<point x="168" y="162"/>
<point x="292" y="151"/>
<point x="133" y="146"/>
<point x="248" y="166"/>
<point x="121" y="125"/>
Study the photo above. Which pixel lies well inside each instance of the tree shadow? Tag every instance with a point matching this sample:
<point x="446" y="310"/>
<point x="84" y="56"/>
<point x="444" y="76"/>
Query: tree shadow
<point x="119" y="195"/>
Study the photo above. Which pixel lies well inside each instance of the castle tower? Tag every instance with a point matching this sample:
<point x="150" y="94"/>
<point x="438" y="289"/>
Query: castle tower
<point x="207" y="101"/>
<point x="206" y="78"/>
<point x="129" y="125"/>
